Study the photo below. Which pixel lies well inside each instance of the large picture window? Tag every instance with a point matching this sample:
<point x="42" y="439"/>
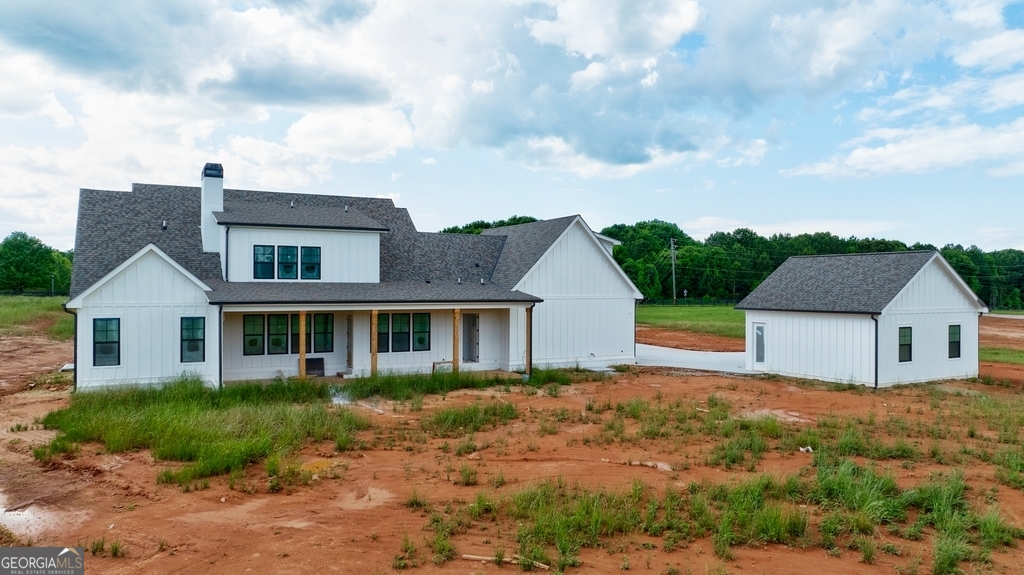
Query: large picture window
<point x="106" y="342"/>
<point x="400" y="332"/>
<point x="263" y="262"/>
<point x="310" y="263"/>
<point x="277" y="333"/>
<point x="287" y="262"/>
<point x="295" y="333"/>
<point x="193" y="339"/>
<point x="323" y="333"/>
<point x="954" y="341"/>
<point x="906" y="344"/>
<point x="252" y="335"/>
<point x="382" y="332"/>
<point x="421" y="332"/>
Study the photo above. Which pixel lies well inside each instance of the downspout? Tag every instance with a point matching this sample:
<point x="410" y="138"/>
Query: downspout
<point x="227" y="253"/>
<point x="74" y="358"/>
<point x="875" y="319"/>
<point x="220" y="348"/>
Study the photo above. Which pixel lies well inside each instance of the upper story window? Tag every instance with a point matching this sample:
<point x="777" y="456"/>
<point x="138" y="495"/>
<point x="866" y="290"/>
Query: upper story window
<point x="263" y="262"/>
<point x="310" y="263"/>
<point x="288" y="262"/>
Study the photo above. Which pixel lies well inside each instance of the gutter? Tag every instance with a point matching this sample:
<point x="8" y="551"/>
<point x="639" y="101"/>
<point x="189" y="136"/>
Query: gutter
<point x="875" y="319"/>
<point x="227" y="253"/>
<point x="74" y="358"/>
<point x="220" y="347"/>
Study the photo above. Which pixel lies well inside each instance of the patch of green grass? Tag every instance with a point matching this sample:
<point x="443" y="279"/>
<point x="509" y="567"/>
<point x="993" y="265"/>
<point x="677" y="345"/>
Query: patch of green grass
<point x="409" y="386"/>
<point x="215" y="431"/>
<point x="18" y="313"/>
<point x="949" y="551"/>
<point x="459" y="421"/>
<point x="1001" y="355"/>
<point x="717" y="320"/>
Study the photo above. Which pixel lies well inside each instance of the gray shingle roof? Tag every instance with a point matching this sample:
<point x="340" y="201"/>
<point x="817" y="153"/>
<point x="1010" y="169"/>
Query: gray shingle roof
<point x="384" y="292"/>
<point x="112" y="226"/>
<point x="291" y="214"/>
<point x="524" y="246"/>
<point x="852" y="283"/>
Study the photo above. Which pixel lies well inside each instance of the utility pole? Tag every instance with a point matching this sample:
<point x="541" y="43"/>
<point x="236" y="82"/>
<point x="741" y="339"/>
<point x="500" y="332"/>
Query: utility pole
<point x="672" y="246"/>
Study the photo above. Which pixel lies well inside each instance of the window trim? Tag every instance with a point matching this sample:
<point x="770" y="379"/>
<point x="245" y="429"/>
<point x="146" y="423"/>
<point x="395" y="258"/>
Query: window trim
<point x="900" y="344"/>
<point x="117" y="342"/>
<point x="272" y="262"/>
<point x="330" y="332"/>
<point x="959" y="341"/>
<point x="287" y="334"/>
<point x="281" y="262"/>
<point x="183" y="341"/>
<point x="262" y="335"/>
<point x="415" y="333"/>
<point x="302" y="262"/>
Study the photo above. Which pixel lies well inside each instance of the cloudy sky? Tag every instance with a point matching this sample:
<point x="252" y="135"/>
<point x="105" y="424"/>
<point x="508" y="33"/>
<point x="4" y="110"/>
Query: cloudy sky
<point x="891" y="118"/>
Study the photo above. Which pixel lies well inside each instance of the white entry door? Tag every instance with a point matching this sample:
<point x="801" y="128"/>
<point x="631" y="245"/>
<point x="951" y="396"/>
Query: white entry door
<point x="759" y="345"/>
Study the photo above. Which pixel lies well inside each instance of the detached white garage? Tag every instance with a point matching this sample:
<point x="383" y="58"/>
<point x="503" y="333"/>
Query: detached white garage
<point x="876" y="319"/>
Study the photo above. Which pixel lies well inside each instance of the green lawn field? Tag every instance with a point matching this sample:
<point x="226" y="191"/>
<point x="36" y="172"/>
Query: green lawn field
<point x="1001" y="355"/>
<point x="20" y="314"/>
<point x="716" y="320"/>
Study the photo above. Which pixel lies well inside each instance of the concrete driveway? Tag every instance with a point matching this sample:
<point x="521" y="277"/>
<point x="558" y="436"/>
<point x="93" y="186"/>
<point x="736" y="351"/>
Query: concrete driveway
<point x="728" y="362"/>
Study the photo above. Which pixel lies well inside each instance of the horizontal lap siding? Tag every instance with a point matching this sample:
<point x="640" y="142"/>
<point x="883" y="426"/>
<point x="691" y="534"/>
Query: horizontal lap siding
<point x="344" y="256"/>
<point x="149" y="298"/>
<point x="587" y="315"/>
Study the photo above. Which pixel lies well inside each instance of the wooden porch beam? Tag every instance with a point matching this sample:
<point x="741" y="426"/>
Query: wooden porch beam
<point x="373" y="342"/>
<point x="456" y="352"/>
<point x="302" y="344"/>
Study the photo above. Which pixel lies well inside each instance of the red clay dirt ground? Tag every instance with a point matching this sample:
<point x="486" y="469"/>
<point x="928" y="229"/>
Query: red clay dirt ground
<point x="354" y="518"/>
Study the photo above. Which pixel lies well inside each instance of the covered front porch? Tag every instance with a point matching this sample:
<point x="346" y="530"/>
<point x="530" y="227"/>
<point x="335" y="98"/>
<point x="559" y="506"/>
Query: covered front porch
<point x="267" y="341"/>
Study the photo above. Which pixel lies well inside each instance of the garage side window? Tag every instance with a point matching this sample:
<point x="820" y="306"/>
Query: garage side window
<point x="954" y="341"/>
<point x="906" y="344"/>
<point x="106" y="342"/>
<point x="759" y="343"/>
<point x="193" y="339"/>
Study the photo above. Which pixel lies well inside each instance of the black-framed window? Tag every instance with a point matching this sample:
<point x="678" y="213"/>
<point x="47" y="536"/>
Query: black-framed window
<point x="954" y="341"/>
<point x="382" y="333"/>
<point x="106" y="342"/>
<point x="287" y="262"/>
<point x="906" y="344"/>
<point x="295" y="333"/>
<point x="252" y="335"/>
<point x="399" y="332"/>
<point x="193" y="339"/>
<point x="263" y="262"/>
<point x="421" y="332"/>
<point x="277" y="334"/>
<point x="323" y="333"/>
<point x="310" y="263"/>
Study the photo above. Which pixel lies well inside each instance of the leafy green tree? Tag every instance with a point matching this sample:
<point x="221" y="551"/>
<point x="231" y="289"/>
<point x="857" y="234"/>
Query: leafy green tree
<point x="480" y="225"/>
<point x="26" y="263"/>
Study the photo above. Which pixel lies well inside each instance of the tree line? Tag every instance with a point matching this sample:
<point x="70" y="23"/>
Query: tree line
<point x="29" y="265"/>
<point x="729" y="265"/>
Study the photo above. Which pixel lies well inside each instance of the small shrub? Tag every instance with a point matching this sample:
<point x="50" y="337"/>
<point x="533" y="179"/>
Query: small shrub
<point x="867" y="550"/>
<point x="498" y="480"/>
<point x="117" y="549"/>
<point x="467" y="475"/>
<point x="416" y="501"/>
<point x="948" y="553"/>
<point x="98" y="546"/>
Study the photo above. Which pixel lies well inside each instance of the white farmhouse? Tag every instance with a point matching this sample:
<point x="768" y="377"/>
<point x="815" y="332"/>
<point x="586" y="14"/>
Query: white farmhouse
<point x="876" y="319"/>
<point x="237" y="285"/>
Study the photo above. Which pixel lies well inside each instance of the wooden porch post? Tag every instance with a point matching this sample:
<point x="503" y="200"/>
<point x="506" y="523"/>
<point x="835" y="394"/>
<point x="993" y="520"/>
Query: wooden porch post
<point x="373" y="342"/>
<point x="529" y="341"/>
<point x="456" y="352"/>
<point x="302" y="344"/>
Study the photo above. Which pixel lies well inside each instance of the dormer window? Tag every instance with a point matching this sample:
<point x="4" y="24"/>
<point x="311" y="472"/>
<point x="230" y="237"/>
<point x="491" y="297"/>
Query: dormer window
<point x="287" y="262"/>
<point x="310" y="263"/>
<point x="263" y="262"/>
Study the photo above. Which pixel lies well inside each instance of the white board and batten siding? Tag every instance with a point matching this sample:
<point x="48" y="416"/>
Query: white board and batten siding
<point x="830" y="347"/>
<point x="345" y="256"/>
<point x="149" y="297"/>
<point x="588" y="313"/>
<point x="929" y="304"/>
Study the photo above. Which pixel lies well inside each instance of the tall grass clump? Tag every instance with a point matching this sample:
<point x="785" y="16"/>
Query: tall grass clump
<point x="214" y="431"/>
<point x="407" y="386"/>
<point x="458" y="421"/>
